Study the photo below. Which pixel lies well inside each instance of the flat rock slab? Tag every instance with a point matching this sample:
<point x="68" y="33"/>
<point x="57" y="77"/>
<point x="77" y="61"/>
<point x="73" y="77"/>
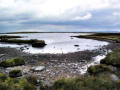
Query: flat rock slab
<point x="38" y="68"/>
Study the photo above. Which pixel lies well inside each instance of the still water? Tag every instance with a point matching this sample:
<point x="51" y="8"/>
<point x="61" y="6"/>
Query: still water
<point x="57" y="43"/>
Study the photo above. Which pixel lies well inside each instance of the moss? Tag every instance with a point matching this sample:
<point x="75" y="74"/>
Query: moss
<point x="12" y="62"/>
<point x="15" y="73"/>
<point x="94" y="70"/>
<point x="112" y="58"/>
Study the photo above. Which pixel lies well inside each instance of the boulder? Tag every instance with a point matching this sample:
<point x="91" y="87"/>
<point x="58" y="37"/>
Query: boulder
<point x="37" y="68"/>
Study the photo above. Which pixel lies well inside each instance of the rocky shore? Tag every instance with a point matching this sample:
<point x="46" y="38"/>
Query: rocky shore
<point x="50" y="67"/>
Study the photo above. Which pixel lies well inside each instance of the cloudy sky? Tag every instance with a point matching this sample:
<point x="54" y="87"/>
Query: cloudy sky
<point x="60" y="15"/>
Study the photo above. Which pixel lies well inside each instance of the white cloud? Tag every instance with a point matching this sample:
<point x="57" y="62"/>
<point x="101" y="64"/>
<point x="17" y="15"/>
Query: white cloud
<point x="53" y="8"/>
<point x="36" y="13"/>
<point x="86" y="17"/>
<point x="116" y="13"/>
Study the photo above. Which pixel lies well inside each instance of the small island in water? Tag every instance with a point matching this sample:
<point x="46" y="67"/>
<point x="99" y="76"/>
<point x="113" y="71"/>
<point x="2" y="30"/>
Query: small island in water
<point x="59" y="61"/>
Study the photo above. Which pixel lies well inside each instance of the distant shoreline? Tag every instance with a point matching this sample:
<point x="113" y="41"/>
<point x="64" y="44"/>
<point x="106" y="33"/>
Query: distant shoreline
<point x="54" y="32"/>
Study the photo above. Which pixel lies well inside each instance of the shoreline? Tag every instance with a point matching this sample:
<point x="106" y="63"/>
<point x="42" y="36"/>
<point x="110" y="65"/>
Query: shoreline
<point x="57" y="66"/>
<point x="52" y="67"/>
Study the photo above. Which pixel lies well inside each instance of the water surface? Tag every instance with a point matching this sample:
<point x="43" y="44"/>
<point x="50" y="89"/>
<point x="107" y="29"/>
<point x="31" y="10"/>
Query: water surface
<point x="57" y="43"/>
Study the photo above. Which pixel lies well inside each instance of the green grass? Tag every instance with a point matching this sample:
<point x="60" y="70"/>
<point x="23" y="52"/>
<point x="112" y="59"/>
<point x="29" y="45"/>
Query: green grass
<point x="112" y="58"/>
<point x="12" y="62"/>
<point x="97" y="69"/>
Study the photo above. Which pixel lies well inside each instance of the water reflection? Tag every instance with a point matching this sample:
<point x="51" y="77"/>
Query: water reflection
<point x="58" y="43"/>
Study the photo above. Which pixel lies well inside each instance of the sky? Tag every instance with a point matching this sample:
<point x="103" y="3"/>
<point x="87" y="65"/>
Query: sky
<point x="60" y="15"/>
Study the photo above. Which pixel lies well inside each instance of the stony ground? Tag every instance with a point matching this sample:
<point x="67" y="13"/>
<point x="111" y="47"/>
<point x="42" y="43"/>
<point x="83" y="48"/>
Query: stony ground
<point x="55" y="66"/>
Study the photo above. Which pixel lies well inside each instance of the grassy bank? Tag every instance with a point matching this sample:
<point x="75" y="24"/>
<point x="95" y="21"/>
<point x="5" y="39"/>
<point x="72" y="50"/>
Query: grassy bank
<point x="33" y="42"/>
<point x="8" y="37"/>
<point x="103" y="36"/>
<point x="24" y="83"/>
<point x="112" y="58"/>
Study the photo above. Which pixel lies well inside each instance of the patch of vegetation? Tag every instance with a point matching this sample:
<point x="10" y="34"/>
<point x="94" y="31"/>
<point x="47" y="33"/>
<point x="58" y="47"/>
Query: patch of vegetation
<point x="94" y="70"/>
<point x="112" y="58"/>
<point x="15" y="73"/>
<point x="23" y="32"/>
<point x="85" y="83"/>
<point x="19" y="41"/>
<point x="33" y="42"/>
<point x="107" y="34"/>
<point x="32" y="79"/>
<point x="39" y="44"/>
<point x="2" y="77"/>
<point x="16" y="84"/>
<point x="103" y="36"/>
<point x="12" y="62"/>
<point x="8" y="37"/>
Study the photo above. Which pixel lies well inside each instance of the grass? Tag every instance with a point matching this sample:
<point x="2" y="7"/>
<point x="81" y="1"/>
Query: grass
<point x="85" y="83"/>
<point x="33" y="42"/>
<point x="8" y="37"/>
<point x="32" y="79"/>
<point x="15" y="84"/>
<point x="12" y="62"/>
<point x="97" y="69"/>
<point x="15" y="73"/>
<point x="103" y="36"/>
<point x="102" y="82"/>
<point x="112" y="58"/>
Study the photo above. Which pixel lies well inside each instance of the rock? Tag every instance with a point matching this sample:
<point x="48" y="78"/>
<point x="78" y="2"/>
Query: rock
<point x="38" y="68"/>
<point x="114" y="77"/>
<point x="2" y="55"/>
<point x="76" y="45"/>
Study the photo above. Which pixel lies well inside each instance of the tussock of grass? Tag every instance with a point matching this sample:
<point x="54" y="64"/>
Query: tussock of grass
<point x="15" y="73"/>
<point x="12" y="62"/>
<point x="32" y="79"/>
<point x="94" y="70"/>
<point x="112" y="58"/>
